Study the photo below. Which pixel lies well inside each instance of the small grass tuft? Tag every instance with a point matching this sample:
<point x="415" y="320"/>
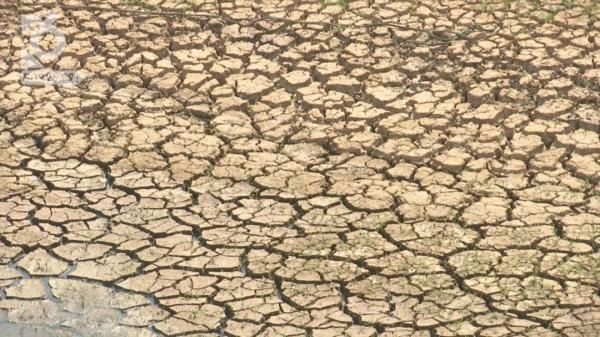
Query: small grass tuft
<point x="507" y="4"/>
<point x="485" y="7"/>
<point x="341" y="3"/>
<point x="548" y="16"/>
<point x="589" y="10"/>
<point x="336" y="28"/>
<point x="568" y="4"/>
<point x="140" y="3"/>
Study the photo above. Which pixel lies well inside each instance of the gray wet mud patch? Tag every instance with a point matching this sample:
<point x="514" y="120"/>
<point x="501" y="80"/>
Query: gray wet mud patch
<point x="73" y="308"/>
<point x="9" y="329"/>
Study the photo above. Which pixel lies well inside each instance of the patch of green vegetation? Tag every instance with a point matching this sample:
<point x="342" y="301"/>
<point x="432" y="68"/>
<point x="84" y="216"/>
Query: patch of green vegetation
<point x="141" y="3"/>
<point x="589" y="8"/>
<point x="548" y="16"/>
<point x="590" y="11"/>
<point x="463" y="34"/>
<point x="188" y="5"/>
<point x="341" y="3"/>
<point x="568" y="4"/>
<point x="507" y="4"/>
<point x="336" y="28"/>
<point x="486" y="7"/>
<point x="587" y="83"/>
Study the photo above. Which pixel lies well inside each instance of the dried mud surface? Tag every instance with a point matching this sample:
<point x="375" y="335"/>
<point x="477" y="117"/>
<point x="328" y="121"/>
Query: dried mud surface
<point x="281" y="168"/>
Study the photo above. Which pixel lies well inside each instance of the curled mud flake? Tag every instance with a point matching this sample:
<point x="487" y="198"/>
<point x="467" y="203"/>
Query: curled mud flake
<point x="24" y="234"/>
<point x="432" y="237"/>
<point x="469" y="263"/>
<point x="405" y="263"/>
<point x="583" y="226"/>
<point x="40" y="263"/>
<point x="486" y="211"/>
<point x="28" y="289"/>
<point x="81" y="251"/>
<point x="362" y="244"/>
<point x="310" y="245"/>
<point x="314" y="270"/>
<point x="296" y="185"/>
<point x="192" y="318"/>
<point x="582" y="142"/>
<point x="264" y="211"/>
<point x="554" y="108"/>
<point x="106" y="269"/>
<point x="9" y="275"/>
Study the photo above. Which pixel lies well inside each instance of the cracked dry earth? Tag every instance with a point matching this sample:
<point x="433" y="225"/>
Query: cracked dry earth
<point x="390" y="169"/>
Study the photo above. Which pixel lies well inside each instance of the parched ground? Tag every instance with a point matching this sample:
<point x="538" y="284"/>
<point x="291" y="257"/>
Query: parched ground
<point x="280" y="168"/>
